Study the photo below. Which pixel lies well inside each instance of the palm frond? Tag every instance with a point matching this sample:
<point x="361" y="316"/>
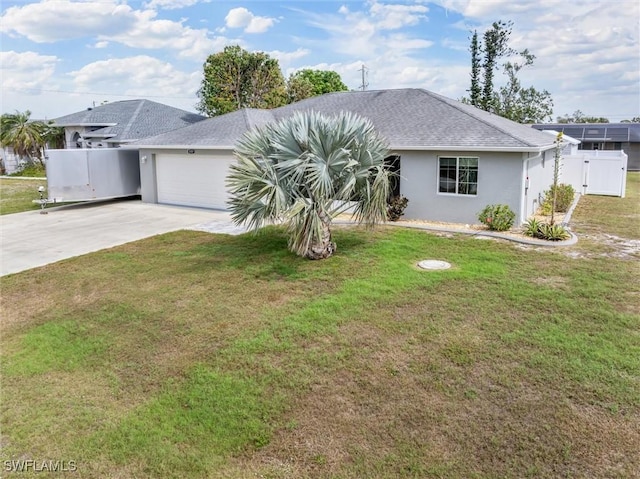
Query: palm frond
<point x="306" y="169"/>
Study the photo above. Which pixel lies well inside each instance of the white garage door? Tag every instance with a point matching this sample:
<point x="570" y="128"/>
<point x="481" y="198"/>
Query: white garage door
<point x="192" y="180"/>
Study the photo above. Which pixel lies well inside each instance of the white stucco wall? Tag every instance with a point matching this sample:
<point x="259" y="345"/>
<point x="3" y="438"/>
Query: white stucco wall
<point x="499" y="181"/>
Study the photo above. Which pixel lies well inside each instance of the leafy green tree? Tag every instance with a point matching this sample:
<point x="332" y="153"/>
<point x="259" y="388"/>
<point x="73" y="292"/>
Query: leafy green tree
<point x="235" y="79"/>
<point x="635" y="119"/>
<point x="305" y="170"/>
<point x="524" y="105"/>
<point x="307" y="83"/>
<point x="22" y="135"/>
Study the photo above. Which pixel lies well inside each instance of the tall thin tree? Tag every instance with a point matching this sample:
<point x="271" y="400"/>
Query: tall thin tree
<point x="476" y="90"/>
<point x="496" y="45"/>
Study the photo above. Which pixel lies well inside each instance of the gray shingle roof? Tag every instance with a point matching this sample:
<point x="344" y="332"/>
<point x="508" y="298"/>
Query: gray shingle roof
<point x="221" y="131"/>
<point x="129" y="120"/>
<point x="407" y="118"/>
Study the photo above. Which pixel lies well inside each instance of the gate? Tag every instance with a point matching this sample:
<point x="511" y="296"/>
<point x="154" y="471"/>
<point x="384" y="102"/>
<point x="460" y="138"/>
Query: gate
<point x="596" y="172"/>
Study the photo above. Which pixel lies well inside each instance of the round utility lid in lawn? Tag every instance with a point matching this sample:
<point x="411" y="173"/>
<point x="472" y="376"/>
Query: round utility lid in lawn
<point x="433" y="264"/>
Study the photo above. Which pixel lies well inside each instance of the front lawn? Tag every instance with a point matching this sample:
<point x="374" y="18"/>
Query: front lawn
<point x="17" y="195"/>
<point x="192" y="355"/>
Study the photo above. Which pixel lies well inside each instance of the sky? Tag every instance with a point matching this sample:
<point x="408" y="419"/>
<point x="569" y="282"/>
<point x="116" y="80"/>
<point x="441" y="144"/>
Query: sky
<point x="60" y="56"/>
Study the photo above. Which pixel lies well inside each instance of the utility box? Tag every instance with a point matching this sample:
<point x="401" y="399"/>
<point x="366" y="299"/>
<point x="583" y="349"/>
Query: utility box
<point x="92" y="174"/>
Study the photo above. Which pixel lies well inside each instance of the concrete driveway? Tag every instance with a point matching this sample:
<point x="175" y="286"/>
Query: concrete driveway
<point x="31" y="239"/>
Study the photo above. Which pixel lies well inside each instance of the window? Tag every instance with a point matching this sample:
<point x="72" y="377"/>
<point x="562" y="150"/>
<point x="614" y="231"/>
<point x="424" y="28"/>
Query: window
<point x="458" y="175"/>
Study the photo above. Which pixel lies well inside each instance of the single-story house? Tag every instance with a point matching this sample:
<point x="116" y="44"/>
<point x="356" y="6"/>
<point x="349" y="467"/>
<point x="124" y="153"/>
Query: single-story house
<point x="603" y="137"/>
<point x="453" y="158"/>
<point x="114" y="124"/>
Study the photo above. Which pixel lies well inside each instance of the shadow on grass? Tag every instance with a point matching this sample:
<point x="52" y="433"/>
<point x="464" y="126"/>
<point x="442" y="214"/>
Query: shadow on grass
<point x="263" y="254"/>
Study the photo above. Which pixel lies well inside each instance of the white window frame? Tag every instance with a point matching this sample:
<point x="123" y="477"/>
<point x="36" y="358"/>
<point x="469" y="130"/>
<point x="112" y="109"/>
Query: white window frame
<point x="457" y="173"/>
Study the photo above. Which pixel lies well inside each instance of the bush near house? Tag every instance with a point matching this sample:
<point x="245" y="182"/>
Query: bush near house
<point x="497" y="217"/>
<point x="564" y="197"/>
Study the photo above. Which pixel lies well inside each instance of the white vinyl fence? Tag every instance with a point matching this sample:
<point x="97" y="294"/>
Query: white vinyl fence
<point x="598" y="172"/>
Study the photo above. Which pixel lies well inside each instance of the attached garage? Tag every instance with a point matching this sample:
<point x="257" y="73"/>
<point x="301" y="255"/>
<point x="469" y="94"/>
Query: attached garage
<point x="185" y="177"/>
<point x="192" y="180"/>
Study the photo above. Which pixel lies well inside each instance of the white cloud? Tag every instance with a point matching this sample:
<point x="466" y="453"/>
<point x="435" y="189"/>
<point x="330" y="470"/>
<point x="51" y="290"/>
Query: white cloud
<point x="141" y="76"/>
<point x="149" y="33"/>
<point x="172" y="4"/>
<point x="61" y="20"/>
<point x="286" y="58"/>
<point x="390" y="17"/>
<point x="26" y="72"/>
<point x="586" y="54"/>
<point x="108" y="80"/>
<point x="242" y="18"/>
<point x="370" y="32"/>
<point x="51" y="21"/>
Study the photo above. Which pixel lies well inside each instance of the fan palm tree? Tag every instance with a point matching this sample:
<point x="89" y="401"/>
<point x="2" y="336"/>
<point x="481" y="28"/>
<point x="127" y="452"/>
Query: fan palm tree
<point x="23" y="136"/>
<point x="305" y="170"/>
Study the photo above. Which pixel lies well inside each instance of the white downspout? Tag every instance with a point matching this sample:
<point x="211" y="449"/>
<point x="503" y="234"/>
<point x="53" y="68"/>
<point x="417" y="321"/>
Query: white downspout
<point x="524" y="197"/>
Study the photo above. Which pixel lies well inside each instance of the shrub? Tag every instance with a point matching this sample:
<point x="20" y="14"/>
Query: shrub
<point x="564" y="198"/>
<point x="545" y="231"/>
<point x="532" y="228"/>
<point x="395" y="207"/>
<point x="553" y="232"/>
<point x="545" y="207"/>
<point x="31" y="169"/>
<point x="497" y="217"/>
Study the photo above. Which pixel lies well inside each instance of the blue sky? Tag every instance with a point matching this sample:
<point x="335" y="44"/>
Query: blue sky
<point x="62" y="56"/>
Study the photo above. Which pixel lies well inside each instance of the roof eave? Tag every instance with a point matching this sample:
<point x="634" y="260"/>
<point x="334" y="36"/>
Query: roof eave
<point x="103" y="135"/>
<point x="178" y="147"/>
<point x="101" y="125"/>
<point x="504" y="149"/>
<point x="510" y="149"/>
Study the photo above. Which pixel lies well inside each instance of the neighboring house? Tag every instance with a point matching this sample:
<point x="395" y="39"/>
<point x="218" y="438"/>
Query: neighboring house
<point x="114" y="124"/>
<point x="603" y="136"/>
<point x="453" y="159"/>
<point x="94" y="166"/>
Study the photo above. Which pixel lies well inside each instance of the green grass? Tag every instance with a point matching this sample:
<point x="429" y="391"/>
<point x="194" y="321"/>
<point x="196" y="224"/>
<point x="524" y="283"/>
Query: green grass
<point x="17" y="195"/>
<point x="604" y="214"/>
<point x="34" y="171"/>
<point x="197" y="355"/>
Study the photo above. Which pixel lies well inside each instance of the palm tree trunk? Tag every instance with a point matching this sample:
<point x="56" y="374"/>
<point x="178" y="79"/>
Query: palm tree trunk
<point x="324" y="247"/>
